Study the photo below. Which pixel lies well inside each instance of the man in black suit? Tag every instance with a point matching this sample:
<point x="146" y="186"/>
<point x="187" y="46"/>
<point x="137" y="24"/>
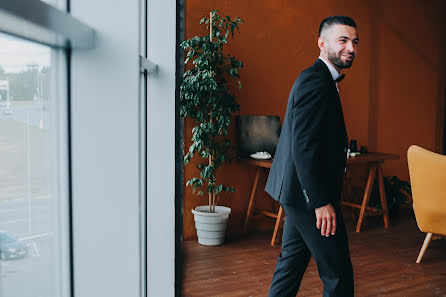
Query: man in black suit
<point x="308" y="169"/>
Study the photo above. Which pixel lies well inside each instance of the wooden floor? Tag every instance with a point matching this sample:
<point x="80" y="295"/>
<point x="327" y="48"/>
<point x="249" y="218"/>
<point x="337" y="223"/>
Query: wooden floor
<point x="383" y="263"/>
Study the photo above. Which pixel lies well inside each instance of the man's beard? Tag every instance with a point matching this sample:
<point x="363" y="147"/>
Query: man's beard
<point x="335" y="59"/>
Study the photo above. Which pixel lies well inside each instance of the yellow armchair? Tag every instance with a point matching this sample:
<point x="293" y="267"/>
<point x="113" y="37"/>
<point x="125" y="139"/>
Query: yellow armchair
<point x="428" y="180"/>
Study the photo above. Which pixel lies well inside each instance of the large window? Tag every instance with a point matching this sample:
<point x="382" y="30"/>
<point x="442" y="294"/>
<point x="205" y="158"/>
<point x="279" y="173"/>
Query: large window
<point x="87" y="148"/>
<point x="33" y="176"/>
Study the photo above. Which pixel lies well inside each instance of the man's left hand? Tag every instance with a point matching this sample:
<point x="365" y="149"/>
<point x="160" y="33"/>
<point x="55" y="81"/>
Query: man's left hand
<point x="326" y="220"/>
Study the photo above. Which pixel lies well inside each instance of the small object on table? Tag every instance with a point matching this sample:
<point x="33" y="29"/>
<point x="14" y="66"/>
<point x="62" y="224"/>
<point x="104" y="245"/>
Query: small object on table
<point x="363" y="149"/>
<point x="352" y="154"/>
<point x="261" y="156"/>
<point x="353" y="145"/>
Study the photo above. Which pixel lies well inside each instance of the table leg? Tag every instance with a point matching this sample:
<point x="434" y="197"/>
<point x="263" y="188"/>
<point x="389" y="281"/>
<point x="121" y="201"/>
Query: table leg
<point x="382" y="194"/>
<point x="366" y="198"/>
<point x="276" y="228"/>
<point x="251" y="200"/>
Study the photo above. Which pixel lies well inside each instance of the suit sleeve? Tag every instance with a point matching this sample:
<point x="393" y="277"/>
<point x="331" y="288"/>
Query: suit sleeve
<point x="308" y="124"/>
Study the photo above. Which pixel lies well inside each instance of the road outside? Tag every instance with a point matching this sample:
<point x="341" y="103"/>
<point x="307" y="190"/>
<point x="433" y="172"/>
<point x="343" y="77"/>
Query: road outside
<point x="27" y="206"/>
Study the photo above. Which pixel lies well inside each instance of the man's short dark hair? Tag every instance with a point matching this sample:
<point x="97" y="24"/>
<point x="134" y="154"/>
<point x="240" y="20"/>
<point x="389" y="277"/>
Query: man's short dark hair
<point x="327" y="23"/>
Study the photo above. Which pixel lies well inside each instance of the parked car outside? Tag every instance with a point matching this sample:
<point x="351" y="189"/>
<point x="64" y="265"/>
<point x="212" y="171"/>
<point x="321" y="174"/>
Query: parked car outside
<point x="11" y="247"/>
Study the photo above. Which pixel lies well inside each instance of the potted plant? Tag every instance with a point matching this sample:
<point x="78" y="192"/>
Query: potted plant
<point x="205" y="98"/>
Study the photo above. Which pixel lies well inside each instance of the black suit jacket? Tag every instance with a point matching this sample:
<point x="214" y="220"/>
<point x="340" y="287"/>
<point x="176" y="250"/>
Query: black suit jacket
<point x="309" y="163"/>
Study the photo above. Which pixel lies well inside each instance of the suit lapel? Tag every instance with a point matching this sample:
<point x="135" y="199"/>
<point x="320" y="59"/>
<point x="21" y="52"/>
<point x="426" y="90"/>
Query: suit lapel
<point x="321" y="67"/>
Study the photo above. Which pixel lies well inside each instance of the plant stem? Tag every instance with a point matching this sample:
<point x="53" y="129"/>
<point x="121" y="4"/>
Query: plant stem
<point x="210" y="193"/>
<point x="213" y="193"/>
<point x="210" y="26"/>
<point x="210" y="202"/>
<point x="215" y="201"/>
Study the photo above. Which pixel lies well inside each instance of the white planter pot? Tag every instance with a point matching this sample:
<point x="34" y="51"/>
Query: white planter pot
<point x="211" y="227"/>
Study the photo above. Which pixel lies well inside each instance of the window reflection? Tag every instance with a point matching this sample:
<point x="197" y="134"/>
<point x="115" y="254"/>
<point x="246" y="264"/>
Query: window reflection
<point x="29" y="254"/>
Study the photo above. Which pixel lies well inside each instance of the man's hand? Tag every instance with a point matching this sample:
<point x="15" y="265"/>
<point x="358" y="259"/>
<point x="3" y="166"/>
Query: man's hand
<point x="326" y="220"/>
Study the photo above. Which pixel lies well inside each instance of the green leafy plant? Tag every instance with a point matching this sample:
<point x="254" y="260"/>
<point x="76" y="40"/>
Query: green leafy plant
<point x="205" y="97"/>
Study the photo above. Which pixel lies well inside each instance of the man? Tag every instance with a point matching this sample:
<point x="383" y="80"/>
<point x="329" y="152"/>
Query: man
<point x="308" y="169"/>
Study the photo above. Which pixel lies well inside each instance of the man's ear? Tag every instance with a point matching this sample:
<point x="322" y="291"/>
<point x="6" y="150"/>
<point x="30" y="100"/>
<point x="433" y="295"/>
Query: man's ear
<point x="321" y="43"/>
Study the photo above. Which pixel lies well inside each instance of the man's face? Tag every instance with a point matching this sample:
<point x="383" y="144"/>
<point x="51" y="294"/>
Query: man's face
<point x="340" y="45"/>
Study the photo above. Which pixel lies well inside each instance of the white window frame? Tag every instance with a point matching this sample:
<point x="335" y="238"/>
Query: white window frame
<point x="161" y="47"/>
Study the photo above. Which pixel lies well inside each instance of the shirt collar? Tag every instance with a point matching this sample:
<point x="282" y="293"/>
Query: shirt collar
<point x="333" y="71"/>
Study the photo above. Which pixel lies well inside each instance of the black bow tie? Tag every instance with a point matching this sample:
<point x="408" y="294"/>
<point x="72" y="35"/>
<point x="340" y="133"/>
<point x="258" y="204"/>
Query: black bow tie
<point x="340" y="77"/>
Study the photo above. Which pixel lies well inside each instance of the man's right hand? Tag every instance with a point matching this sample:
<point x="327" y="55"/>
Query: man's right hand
<point x="326" y="220"/>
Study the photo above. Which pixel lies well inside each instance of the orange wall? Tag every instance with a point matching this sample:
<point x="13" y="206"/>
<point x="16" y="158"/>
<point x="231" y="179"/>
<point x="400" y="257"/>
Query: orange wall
<point x="392" y="96"/>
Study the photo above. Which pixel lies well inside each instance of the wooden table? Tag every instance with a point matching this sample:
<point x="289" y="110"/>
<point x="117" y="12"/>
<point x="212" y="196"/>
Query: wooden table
<point x="374" y="162"/>
<point x="262" y="165"/>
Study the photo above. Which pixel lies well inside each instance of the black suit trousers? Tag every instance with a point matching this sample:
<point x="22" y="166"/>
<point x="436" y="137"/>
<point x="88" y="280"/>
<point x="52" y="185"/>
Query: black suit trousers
<point x="301" y="240"/>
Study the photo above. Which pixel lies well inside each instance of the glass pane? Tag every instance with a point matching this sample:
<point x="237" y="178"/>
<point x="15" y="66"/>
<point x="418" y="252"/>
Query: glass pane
<point x="32" y="243"/>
